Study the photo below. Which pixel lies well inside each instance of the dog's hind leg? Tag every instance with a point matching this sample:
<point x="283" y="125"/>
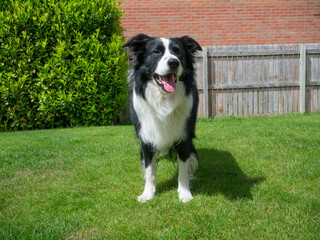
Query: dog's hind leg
<point x="148" y="159"/>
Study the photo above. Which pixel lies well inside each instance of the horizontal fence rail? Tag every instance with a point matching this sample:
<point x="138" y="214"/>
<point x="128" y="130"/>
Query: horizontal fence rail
<point x="258" y="79"/>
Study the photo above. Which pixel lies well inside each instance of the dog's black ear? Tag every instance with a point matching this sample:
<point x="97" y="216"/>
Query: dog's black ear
<point x="137" y="43"/>
<point x="192" y="44"/>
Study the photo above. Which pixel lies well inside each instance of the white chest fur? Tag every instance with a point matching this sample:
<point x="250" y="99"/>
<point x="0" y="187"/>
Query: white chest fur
<point x="162" y="115"/>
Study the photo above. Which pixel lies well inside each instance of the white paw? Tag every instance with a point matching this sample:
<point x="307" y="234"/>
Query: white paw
<point x="145" y="197"/>
<point x="185" y="196"/>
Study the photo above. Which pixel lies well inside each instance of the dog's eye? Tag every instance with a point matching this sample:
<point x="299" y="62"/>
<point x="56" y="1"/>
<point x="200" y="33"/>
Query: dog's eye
<point x="177" y="51"/>
<point x="156" y="52"/>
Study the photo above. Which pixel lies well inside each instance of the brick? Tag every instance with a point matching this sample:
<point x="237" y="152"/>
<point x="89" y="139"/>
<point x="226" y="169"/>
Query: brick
<point x="225" y="22"/>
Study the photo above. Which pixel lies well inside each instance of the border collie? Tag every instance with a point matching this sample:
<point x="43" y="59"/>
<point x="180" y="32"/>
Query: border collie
<point x="163" y="106"/>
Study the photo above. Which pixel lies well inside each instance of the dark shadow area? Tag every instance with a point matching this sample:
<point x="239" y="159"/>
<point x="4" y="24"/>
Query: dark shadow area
<point x="218" y="172"/>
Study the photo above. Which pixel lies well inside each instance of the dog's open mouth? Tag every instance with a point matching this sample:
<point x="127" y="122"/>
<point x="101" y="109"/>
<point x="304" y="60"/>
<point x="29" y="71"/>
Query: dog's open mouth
<point x="167" y="82"/>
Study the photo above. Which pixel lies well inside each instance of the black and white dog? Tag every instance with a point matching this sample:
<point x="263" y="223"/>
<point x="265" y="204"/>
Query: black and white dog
<point x="163" y="107"/>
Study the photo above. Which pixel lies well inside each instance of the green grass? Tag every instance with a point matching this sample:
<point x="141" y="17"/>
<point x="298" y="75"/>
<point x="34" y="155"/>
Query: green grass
<point x="258" y="178"/>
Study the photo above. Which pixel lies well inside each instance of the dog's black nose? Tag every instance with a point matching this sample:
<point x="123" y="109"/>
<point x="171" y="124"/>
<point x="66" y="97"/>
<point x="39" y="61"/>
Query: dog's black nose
<point x="173" y="63"/>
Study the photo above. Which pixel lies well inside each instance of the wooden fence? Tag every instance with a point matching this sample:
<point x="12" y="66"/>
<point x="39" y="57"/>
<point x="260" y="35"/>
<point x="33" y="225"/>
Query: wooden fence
<point x="258" y="79"/>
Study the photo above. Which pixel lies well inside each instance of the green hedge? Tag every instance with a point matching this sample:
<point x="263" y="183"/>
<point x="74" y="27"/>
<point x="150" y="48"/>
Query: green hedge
<point x="61" y="63"/>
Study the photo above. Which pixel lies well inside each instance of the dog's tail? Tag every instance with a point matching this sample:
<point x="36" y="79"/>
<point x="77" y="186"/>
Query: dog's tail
<point x="193" y="164"/>
<point x="192" y="160"/>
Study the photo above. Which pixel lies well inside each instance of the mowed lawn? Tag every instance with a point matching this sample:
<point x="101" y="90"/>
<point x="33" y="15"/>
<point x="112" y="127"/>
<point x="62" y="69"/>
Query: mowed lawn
<point x="258" y="178"/>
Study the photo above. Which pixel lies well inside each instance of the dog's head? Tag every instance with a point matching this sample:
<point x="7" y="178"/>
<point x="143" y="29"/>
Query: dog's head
<point x="163" y="60"/>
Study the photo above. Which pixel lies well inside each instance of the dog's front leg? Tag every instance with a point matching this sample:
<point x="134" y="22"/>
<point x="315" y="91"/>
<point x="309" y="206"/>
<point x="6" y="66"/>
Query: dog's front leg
<point x="187" y="165"/>
<point x="149" y="164"/>
<point x="183" y="182"/>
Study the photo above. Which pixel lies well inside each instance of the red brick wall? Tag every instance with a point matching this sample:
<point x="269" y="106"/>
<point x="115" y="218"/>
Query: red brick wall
<point x="226" y="22"/>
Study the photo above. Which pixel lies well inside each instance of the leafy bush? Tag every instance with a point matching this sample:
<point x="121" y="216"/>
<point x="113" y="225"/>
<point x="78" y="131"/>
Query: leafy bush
<point x="61" y="63"/>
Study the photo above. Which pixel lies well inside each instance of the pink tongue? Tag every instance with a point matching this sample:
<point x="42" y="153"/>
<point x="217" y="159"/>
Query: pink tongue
<point x="169" y="83"/>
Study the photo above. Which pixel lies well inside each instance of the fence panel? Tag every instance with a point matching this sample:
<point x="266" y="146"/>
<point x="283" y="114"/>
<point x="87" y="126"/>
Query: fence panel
<point x="257" y="79"/>
<point x="312" y="79"/>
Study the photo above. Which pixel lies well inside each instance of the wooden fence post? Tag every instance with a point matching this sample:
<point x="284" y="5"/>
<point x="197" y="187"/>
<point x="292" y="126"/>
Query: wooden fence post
<point x="205" y="81"/>
<point x="302" y="78"/>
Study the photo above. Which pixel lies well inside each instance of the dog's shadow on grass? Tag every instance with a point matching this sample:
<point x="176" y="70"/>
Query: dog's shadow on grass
<point x="218" y="172"/>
